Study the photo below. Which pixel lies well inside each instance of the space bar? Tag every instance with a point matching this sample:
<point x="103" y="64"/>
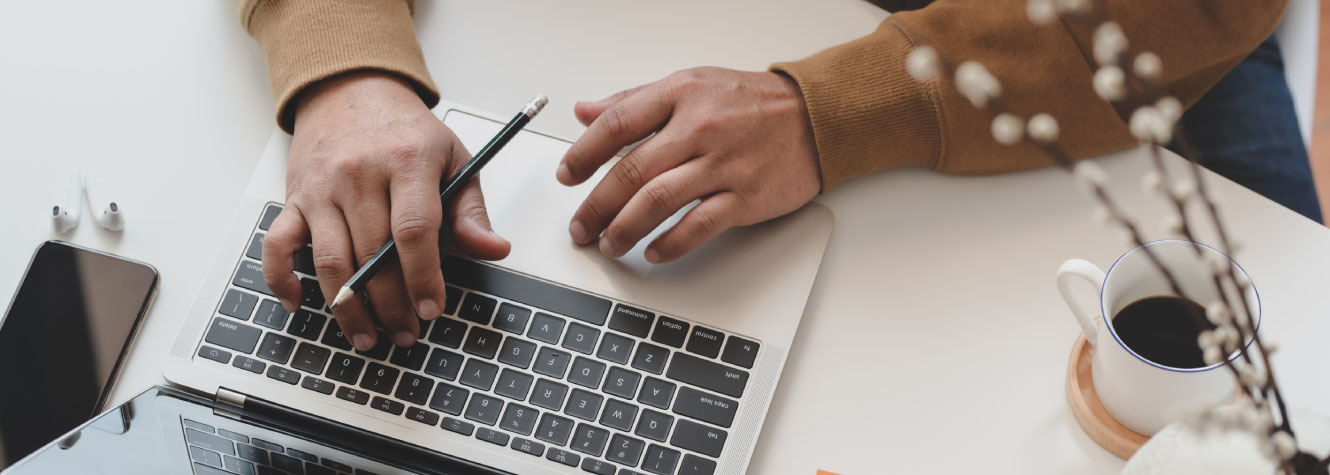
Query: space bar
<point x="542" y="295"/>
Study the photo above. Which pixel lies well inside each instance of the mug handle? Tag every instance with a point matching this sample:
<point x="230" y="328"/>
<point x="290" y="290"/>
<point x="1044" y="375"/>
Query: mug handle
<point x="1092" y="274"/>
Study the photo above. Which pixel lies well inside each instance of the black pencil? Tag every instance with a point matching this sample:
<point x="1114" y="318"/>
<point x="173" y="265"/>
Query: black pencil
<point x="450" y="190"/>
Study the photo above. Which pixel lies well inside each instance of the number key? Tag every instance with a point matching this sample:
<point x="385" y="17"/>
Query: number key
<point x="345" y="368"/>
<point x="379" y="378"/>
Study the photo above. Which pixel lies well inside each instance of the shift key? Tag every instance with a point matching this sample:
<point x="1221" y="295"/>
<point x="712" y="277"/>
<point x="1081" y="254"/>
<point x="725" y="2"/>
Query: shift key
<point x="250" y="276"/>
<point x="708" y="375"/>
<point x="234" y="335"/>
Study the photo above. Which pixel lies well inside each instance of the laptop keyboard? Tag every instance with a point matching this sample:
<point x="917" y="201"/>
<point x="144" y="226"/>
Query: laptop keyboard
<point x="570" y="377"/>
<point x="217" y="451"/>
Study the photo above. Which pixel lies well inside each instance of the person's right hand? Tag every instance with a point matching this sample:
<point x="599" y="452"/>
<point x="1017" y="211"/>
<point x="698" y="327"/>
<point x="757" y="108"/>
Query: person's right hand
<point x="365" y="166"/>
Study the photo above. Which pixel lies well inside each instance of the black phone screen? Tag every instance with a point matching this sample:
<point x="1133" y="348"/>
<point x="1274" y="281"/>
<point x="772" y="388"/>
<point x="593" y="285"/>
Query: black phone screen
<point x="62" y="341"/>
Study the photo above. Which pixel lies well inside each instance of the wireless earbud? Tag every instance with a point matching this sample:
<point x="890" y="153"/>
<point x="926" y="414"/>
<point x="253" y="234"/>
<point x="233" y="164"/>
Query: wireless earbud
<point x="65" y="217"/>
<point x="107" y="216"/>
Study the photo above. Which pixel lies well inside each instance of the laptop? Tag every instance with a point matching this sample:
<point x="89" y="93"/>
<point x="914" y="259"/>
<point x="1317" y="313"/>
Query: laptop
<point x="555" y="360"/>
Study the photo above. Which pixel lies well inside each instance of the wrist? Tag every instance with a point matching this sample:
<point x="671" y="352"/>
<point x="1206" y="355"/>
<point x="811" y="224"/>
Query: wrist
<point x="352" y="86"/>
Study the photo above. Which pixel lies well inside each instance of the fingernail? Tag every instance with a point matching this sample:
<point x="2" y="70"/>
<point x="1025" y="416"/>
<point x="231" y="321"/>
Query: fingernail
<point x="607" y="247"/>
<point x="578" y="232"/>
<point x="428" y="309"/>
<point x="563" y="174"/>
<point x="363" y="341"/>
<point x="653" y="256"/>
<point x="404" y="339"/>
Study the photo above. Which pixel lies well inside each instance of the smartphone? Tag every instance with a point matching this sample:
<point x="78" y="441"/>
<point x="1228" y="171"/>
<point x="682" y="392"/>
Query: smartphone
<point x="63" y="339"/>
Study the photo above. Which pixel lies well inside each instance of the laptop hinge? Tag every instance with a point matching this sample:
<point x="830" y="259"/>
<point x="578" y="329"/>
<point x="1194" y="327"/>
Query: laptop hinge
<point x="230" y="399"/>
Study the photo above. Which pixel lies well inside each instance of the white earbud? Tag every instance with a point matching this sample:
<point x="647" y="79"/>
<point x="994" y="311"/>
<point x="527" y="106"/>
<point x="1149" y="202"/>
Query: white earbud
<point x="65" y="217"/>
<point x="106" y="215"/>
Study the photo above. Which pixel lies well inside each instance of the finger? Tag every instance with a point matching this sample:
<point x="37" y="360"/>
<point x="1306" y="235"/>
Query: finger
<point x="587" y="111"/>
<point x="654" y="203"/>
<point x="367" y="217"/>
<point x="623" y="123"/>
<point x="287" y="235"/>
<point x="704" y="222"/>
<point x="332" y="264"/>
<point x="416" y="218"/>
<point x="470" y="221"/>
<point x="655" y="156"/>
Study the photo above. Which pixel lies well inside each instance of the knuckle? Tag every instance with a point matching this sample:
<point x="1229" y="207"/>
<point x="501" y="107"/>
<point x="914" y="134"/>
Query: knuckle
<point x="616" y="121"/>
<point x="406" y="152"/>
<point x="630" y="174"/>
<point x="473" y="209"/>
<point x="351" y="168"/>
<point x="593" y="209"/>
<point x="328" y="263"/>
<point x="414" y="227"/>
<point x="706" y="222"/>
<point x="658" y="198"/>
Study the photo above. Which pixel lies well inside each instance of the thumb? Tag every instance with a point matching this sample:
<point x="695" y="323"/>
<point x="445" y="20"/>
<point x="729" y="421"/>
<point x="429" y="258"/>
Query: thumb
<point x="471" y="225"/>
<point x="587" y="111"/>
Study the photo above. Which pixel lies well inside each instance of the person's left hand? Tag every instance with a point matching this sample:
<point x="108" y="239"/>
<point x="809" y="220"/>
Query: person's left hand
<point x="739" y="141"/>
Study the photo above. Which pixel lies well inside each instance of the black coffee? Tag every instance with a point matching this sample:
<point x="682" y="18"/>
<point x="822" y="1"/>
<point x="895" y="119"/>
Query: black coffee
<point x="1163" y="330"/>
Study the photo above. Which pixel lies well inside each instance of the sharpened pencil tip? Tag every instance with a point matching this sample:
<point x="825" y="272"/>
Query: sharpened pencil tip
<point x="342" y="296"/>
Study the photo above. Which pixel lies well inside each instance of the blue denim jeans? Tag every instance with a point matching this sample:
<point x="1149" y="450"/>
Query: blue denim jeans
<point x="1246" y="130"/>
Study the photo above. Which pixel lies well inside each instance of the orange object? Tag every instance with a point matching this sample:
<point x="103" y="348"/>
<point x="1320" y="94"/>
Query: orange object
<point x="824" y="472"/>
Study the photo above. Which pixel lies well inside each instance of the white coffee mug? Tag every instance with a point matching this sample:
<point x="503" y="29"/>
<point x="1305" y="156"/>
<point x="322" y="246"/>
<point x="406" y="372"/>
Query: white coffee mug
<point x="1144" y="395"/>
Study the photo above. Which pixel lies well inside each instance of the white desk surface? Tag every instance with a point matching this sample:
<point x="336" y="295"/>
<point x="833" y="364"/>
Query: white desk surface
<point x="933" y="342"/>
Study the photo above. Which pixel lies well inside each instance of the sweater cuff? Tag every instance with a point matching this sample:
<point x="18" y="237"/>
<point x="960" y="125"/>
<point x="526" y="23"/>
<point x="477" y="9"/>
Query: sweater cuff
<point x="868" y="114"/>
<point x="306" y="41"/>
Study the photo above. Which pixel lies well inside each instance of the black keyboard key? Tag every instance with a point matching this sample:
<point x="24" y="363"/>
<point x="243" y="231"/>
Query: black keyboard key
<point x="512" y="318"/>
<point x="705" y="341"/>
<point x="740" y="352"/>
<point x="284" y="375"/>
<point x="317" y="385"/>
<point x="201" y="469"/>
<point x="657" y="392"/>
<point x="382" y="345"/>
<point x="452" y="297"/>
<point x="477" y="308"/>
<point x="546" y="328"/>
<point x="287" y="463"/>
<point x="597" y="467"/>
<point x="345" y="368"/>
<point x="581" y="338"/>
<point x="307" y="325"/>
<point x="302" y="455"/>
<point x="479" y="374"/>
<point x="633" y="321"/>
<point x="517" y="352"/>
<point x="520" y="419"/>
<point x="449" y="399"/>
<point x="269" y="215"/>
<point x="708" y="375"/>
<point x="250" y="276"/>
<point x="206" y="457"/>
<point x="513" y="384"/>
<point x="310" y="358"/>
<point x="387" y="405"/>
<point x="457" y="425"/>
<point x="616" y="348"/>
<point x="563" y="456"/>
<point x="210" y="442"/>
<point x="660" y="460"/>
<point x="528" y="446"/>
<point x="622" y="382"/>
<point x="304" y="260"/>
<point x="519" y="288"/>
<point x="312" y="469"/>
<point x="650" y="358"/>
<point x="619" y="415"/>
<point x="448" y="332"/>
<point x="311" y="295"/>
<point x="586" y="372"/>
<point x="236" y="436"/>
<point x="626" y="450"/>
<point x="338" y="466"/>
<point x="698" y="438"/>
<point x="583" y="405"/>
<point x="551" y="362"/>
<point x="694" y="465"/>
<point x="422" y="416"/>
<point x="271" y="315"/>
<point x="482" y="342"/>
<point x="590" y="440"/>
<point x="443" y="364"/>
<point x="492" y="436"/>
<point x="379" y="378"/>
<point x="549" y="395"/>
<point x="670" y="332"/>
<point x="235" y="465"/>
<point x="352" y="394"/>
<point x="269" y="446"/>
<point x="238" y="304"/>
<point x="199" y="426"/>
<point x="654" y="425"/>
<point x="554" y="429"/>
<point x="252" y="454"/>
<point x="215" y="354"/>
<point x="705" y="407"/>
<point x="255" y="248"/>
<point x="231" y="334"/>
<point x="276" y="348"/>
<point x="333" y="336"/>
<point x="410" y="358"/>
<point x="414" y="388"/>
<point x="484" y="409"/>
<point x="249" y="364"/>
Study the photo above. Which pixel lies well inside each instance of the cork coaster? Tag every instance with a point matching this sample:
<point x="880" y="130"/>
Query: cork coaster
<point x="1090" y="413"/>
